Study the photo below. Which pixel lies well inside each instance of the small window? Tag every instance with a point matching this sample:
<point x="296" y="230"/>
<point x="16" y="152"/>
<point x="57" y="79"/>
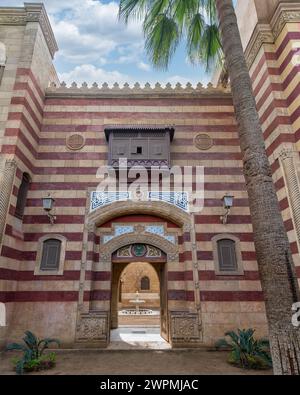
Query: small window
<point x="227" y="255"/>
<point x="136" y="149"/>
<point x="22" y="196"/>
<point x="145" y="284"/>
<point x="51" y="254"/>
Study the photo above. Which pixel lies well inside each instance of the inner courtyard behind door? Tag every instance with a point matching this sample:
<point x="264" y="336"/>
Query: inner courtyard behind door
<point x="139" y="304"/>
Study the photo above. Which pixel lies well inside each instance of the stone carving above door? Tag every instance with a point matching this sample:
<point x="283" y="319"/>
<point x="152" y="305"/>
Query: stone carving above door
<point x="138" y="251"/>
<point x="147" y="239"/>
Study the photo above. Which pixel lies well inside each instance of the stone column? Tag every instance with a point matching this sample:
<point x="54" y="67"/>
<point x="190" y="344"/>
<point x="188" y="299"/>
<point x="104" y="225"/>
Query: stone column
<point x="196" y="275"/>
<point x="287" y="160"/>
<point x="6" y="185"/>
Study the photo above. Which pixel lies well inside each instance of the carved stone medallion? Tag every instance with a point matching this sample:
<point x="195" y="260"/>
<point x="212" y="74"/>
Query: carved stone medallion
<point x="75" y="142"/>
<point x="203" y="142"/>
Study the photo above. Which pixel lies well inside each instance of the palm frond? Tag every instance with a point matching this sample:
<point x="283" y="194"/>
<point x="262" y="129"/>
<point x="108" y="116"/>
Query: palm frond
<point x="183" y="12"/>
<point x="194" y="38"/>
<point x="15" y="347"/>
<point x="161" y="41"/>
<point x="132" y="9"/>
<point x="167" y="22"/>
<point x="233" y="336"/>
<point x="158" y="7"/>
<point x="44" y="343"/>
<point x="222" y="343"/>
<point x="211" y="50"/>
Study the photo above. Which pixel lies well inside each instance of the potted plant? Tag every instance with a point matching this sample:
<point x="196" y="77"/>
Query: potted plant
<point x="33" y="358"/>
<point x="246" y="351"/>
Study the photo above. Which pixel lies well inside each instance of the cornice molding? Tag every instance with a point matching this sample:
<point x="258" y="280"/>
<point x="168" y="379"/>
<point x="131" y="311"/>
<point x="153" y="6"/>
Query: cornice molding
<point x="32" y="12"/>
<point x="268" y="33"/>
<point x="285" y="13"/>
<point x="262" y="34"/>
<point x="137" y="90"/>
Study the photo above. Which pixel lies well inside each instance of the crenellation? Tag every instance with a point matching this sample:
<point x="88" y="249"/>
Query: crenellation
<point x="136" y="89"/>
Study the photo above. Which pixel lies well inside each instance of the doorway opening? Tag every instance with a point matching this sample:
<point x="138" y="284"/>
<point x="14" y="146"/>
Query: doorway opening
<point x="139" y="296"/>
<point x="139" y="306"/>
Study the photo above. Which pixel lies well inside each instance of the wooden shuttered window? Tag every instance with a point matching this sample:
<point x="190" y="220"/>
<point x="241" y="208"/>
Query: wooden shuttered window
<point x="51" y="254"/>
<point x="22" y="196"/>
<point x="145" y="284"/>
<point x="227" y="255"/>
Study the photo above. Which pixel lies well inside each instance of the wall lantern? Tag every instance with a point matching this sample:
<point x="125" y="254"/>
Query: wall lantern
<point x="227" y="204"/>
<point x="48" y="203"/>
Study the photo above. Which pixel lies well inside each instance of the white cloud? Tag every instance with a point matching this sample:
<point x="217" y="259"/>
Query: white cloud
<point x="90" y="36"/>
<point x="77" y="47"/>
<point x="144" y="66"/>
<point x="91" y="28"/>
<point x="89" y="73"/>
<point x="182" y="80"/>
<point x="52" y="6"/>
<point x="88" y="31"/>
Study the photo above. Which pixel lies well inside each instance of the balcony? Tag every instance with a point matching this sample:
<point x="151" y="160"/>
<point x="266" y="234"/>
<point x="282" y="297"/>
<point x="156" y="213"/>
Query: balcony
<point x="102" y="199"/>
<point x="140" y="146"/>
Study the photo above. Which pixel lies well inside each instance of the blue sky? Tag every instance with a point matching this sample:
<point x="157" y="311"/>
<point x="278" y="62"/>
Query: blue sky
<point x="95" y="46"/>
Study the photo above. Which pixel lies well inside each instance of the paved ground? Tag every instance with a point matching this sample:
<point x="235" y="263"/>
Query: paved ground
<point x="138" y="337"/>
<point x="149" y="362"/>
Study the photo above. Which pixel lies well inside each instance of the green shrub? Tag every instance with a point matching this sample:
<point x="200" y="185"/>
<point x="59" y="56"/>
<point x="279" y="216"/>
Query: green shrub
<point x="245" y="351"/>
<point x="33" y="358"/>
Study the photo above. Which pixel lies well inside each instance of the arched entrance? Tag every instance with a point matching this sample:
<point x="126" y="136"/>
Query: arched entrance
<point x="170" y="230"/>
<point x="158" y="251"/>
<point x="137" y="257"/>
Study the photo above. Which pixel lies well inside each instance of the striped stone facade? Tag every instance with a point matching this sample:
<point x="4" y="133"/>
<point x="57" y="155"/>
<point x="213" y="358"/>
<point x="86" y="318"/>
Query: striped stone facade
<point x="272" y="53"/>
<point x="38" y="117"/>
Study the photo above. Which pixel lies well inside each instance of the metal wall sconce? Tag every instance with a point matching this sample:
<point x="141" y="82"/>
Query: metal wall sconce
<point x="48" y="203"/>
<point x="227" y="204"/>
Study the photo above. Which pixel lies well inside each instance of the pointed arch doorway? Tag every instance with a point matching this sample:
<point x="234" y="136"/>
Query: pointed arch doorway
<point x="148" y="316"/>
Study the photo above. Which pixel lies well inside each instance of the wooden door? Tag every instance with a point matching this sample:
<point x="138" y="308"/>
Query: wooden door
<point x="164" y="325"/>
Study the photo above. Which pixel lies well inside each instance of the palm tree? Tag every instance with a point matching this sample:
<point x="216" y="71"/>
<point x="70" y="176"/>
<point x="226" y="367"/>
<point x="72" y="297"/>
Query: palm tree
<point x="210" y="27"/>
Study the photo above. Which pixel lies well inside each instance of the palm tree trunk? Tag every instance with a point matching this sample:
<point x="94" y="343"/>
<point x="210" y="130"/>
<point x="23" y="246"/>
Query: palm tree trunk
<point x="274" y="257"/>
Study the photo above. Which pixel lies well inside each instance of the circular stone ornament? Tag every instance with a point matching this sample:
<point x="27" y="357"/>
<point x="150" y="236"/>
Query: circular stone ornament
<point x="139" y="250"/>
<point x="203" y="142"/>
<point x="75" y="142"/>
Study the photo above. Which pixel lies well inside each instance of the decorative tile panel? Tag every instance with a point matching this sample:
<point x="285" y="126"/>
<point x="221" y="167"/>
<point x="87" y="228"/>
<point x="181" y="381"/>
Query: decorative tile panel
<point x="160" y="231"/>
<point x="119" y="230"/>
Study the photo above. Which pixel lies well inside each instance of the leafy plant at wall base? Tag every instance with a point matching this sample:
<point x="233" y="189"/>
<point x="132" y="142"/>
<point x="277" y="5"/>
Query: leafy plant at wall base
<point x="246" y="351"/>
<point x="33" y="349"/>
